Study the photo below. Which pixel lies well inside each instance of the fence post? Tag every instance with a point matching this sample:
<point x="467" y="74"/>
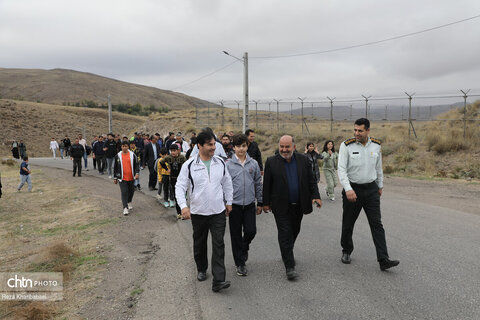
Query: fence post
<point x="465" y="113"/>
<point x="410" y="124"/>
<point x="302" y="120"/>
<point x="223" y="115"/>
<point x="278" y="124"/>
<point x="331" y="114"/>
<point x="366" y="105"/>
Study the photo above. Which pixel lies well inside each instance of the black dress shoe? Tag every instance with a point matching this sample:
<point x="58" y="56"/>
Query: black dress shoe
<point x="217" y="286"/>
<point x="346" y="258"/>
<point x="242" y="271"/>
<point x="201" y="276"/>
<point x="291" y="274"/>
<point x="387" y="264"/>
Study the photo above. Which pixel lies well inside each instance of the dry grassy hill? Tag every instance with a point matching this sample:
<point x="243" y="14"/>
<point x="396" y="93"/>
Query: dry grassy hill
<point x="37" y="123"/>
<point x="60" y="86"/>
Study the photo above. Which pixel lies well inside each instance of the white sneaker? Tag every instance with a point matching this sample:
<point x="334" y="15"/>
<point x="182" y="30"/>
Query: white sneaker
<point x="130" y="207"/>
<point x="125" y="211"/>
<point x="332" y="199"/>
<point x="109" y="177"/>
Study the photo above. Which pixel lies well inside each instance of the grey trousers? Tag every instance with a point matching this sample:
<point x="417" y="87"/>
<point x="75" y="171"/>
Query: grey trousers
<point x="127" y="190"/>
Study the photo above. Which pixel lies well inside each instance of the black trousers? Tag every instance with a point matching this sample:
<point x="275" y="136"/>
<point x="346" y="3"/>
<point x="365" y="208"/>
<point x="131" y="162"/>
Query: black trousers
<point x="94" y="160"/>
<point x="288" y="226"/>
<point x="127" y="189"/>
<point x="243" y="228"/>
<point x="173" y="182"/>
<point x="101" y="162"/>
<point x="77" y="166"/>
<point x="152" y="177"/>
<point x="167" y="188"/>
<point x="368" y="199"/>
<point x="201" y="226"/>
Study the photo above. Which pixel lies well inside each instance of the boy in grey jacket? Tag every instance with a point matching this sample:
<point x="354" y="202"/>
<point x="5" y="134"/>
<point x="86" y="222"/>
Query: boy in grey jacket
<point x="247" y="187"/>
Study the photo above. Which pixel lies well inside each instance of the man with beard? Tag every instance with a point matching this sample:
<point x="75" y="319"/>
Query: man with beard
<point x="227" y="146"/>
<point x="289" y="190"/>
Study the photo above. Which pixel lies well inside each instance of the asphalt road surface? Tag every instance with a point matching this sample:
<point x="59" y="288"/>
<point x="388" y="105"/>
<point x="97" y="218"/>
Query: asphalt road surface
<point x="438" y="276"/>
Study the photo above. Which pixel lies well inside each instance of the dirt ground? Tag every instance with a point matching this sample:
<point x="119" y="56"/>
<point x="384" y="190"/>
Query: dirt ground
<point x="87" y="217"/>
<point x="125" y="250"/>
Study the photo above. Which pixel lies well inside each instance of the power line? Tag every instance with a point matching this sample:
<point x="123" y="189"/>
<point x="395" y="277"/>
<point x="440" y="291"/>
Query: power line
<point x="207" y="75"/>
<point x="367" y="43"/>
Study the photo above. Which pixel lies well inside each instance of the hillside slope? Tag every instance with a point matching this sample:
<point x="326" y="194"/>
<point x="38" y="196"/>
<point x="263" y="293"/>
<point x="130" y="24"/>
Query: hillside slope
<point x="37" y="123"/>
<point x="60" y="86"/>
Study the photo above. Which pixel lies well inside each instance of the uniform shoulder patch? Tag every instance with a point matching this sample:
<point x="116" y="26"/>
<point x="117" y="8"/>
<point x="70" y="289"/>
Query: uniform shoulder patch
<point x="350" y="141"/>
<point x="375" y="140"/>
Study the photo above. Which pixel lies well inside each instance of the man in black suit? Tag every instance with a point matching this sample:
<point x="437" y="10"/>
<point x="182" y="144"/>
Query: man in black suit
<point x="289" y="190"/>
<point x="152" y="152"/>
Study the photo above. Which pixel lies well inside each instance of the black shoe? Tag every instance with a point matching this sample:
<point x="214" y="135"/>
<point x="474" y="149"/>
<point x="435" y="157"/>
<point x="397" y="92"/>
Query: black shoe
<point x="387" y="264"/>
<point x="150" y="188"/>
<point x="201" y="276"/>
<point x="79" y="175"/>
<point x="155" y="188"/>
<point x="346" y="258"/>
<point x="217" y="286"/>
<point x="74" y="174"/>
<point x="242" y="271"/>
<point x="291" y="274"/>
<point x="139" y="188"/>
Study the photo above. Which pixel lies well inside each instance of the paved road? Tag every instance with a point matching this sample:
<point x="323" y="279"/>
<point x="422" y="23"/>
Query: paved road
<point x="438" y="277"/>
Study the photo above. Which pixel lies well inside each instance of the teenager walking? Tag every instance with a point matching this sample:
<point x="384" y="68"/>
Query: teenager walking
<point x="125" y="171"/>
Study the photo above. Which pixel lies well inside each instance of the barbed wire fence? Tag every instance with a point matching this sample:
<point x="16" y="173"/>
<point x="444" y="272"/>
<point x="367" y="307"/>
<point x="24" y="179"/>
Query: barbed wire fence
<point x="307" y="114"/>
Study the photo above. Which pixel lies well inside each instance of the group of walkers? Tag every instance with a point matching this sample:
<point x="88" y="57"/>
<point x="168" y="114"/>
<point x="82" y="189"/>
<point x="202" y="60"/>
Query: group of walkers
<point x="209" y="179"/>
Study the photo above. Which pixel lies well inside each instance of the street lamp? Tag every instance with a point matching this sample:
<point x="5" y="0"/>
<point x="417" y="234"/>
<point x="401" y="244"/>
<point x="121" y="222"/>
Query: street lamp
<point x="245" y="87"/>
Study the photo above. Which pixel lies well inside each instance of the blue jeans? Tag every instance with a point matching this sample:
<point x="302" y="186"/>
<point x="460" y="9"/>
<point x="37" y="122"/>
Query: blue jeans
<point x="25" y="178"/>
<point x="110" y="166"/>
<point x="85" y="159"/>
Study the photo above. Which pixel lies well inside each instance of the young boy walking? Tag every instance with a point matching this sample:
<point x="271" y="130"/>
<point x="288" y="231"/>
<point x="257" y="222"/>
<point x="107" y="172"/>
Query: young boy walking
<point x="247" y="187"/>
<point x="125" y="171"/>
<point x="137" y="152"/>
<point x="163" y="178"/>
<point x="173" y="163"/>
<point x="25" y="175"/>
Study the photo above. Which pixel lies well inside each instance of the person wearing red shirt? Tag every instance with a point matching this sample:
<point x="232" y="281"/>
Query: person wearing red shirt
<point x="126" y="170"/>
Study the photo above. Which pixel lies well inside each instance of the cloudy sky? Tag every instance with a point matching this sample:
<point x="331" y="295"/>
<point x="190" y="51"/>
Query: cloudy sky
<point x="167" y="44"/>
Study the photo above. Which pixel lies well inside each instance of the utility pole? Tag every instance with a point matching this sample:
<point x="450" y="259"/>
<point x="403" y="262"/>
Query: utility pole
<point x="465" y="113"/>
<point x="331" y="114"/>
<point x="245" y="91"/>
<point x="238" y="112"/>
<point x="109" y="99"/>
<point x="208" y="115"/>
<point x="386" y="110"/>
<point x="196" y="116"/>
<point x="256" y="113"/>
<point x="223" y="115"/>
<point x="278" y="125"/>
<point x="351" y="112"/>
<point x="410" y="124"/>
<point x="366" y="105"/>
<point x="291" y="108"/>
<point x="312" y="110"/>
<point x="302" y="111"/>
<point x="244" y="60"/>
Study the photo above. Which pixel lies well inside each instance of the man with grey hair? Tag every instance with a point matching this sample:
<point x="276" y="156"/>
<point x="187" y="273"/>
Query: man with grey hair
<point x="289" y="190"/>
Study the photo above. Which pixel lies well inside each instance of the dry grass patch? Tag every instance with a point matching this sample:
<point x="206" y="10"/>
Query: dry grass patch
<point x="51" y="229"/>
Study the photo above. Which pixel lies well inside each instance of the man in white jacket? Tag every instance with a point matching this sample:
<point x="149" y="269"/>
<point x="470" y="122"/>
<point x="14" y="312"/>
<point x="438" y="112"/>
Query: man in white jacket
<point x="208" y="182"/>
<point x="54" y="147"/>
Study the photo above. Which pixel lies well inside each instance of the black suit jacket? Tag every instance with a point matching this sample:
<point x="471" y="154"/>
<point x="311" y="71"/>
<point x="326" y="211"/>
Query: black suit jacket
<point x="149" y="157"/>
<point x="275" y="184"/>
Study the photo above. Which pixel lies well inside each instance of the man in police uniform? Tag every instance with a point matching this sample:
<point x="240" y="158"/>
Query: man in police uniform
<point x="361" y="175"/>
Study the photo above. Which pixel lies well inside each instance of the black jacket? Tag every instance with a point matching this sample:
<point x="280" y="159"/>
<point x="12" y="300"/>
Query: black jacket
<point x="77" y="151"/>
<point x="111" y="146"/>
<point x="275" y="188"/>
<point x="254" y="152"/>
<point x="118" y="168"/>
<point x="97" y="148"/>
<point x="149" y="158"/>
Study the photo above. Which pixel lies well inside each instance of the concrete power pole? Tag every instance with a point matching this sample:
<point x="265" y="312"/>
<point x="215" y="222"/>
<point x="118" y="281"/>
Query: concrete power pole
<point x="109" y="99"/>
<point x="302" y="111"/>
<point x="245" y="91"/>
<point x="465" y="113"/>
<point x="278" y="124"/>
